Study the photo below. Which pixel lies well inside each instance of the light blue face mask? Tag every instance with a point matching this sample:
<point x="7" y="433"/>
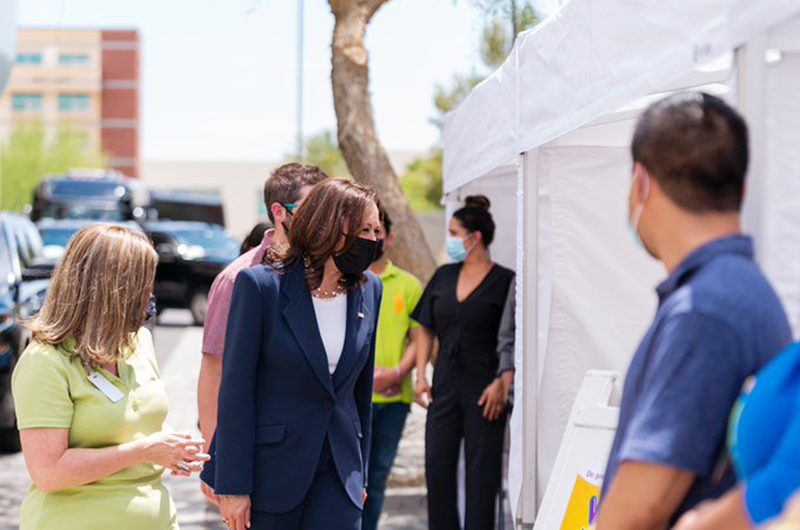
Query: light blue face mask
<point x="633" y="222"/>
<point x="634" y="233"/>
<point x="456" y="249"/>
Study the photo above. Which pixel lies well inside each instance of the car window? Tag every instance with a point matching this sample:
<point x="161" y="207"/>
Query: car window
<point x="87" y="188"/>
<point x="22" y="244"/>
<point x="56" y="236"/>
<point x="81" y="211"/>
<point x="206" y="242"/>
<point x="55" y="241"/>
<point x="37" y="245"/>
<point x="27" y="241"/>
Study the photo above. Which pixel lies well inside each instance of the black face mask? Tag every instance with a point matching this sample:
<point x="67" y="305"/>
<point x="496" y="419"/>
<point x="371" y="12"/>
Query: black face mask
<point x="357" y="258"/>
<point x="379" y="250"/>
<point x="152" y="311"/>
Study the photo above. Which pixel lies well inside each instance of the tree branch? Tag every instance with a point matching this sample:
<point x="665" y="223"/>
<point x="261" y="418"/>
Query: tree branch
<point x="358" y="139"/>
<point x="367" y="7"/>
<point x="373" y="6"/>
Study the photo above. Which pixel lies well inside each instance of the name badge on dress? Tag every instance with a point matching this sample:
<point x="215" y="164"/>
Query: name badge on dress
<point x="104" y="385"/>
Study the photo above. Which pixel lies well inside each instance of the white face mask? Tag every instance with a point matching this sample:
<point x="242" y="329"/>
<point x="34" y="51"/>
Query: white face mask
<point x="633" y="222"/>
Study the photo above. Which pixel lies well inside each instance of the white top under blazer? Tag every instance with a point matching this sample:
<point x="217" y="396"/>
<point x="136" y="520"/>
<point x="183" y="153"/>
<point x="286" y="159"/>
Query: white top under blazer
<point x="332" y="321"/>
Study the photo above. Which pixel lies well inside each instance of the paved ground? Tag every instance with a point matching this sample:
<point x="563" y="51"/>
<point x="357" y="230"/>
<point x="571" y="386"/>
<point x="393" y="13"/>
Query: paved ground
<point x="178" y="347"/>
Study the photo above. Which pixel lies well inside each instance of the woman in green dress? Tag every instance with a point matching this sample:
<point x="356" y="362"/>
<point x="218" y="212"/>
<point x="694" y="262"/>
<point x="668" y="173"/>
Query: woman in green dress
<point x="90" y="404"/>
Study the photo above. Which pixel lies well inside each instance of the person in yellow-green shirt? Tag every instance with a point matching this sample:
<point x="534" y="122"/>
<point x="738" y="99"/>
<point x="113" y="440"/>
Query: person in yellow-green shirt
<point x="90" y="404"/>
<point x="395" y="357"/>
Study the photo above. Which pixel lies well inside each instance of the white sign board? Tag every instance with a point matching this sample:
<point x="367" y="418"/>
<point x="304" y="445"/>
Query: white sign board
<point x="572" y="496"/>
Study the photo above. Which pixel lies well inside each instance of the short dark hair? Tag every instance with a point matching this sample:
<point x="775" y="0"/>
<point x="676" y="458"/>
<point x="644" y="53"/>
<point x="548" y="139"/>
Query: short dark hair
<point x="475" y="217"/>
<point x="285" y="183"/>
<point x="695" y="146"/>
<point x="254" y="238"/>
<point x="386" y="221"/>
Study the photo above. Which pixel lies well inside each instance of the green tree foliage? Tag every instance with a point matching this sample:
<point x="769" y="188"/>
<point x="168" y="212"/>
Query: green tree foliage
<point x="28" y="156"/>
<point x="501" y="29"/>
<point x="504" y="19"/>
<point x="447" y="98"/>
<point x="422" y="182"/>
<point x="322" y="150"/>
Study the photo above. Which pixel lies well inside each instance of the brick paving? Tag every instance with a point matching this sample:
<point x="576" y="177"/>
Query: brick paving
<point x="13" y="488"/>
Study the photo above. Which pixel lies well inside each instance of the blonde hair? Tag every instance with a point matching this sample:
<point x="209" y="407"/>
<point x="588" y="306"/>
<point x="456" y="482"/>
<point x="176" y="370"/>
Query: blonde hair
<point x="99" y="293"/>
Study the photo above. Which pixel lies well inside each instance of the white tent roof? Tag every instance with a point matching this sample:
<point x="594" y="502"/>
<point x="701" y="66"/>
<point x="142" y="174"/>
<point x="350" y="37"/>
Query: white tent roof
<point x="589" y="74"/>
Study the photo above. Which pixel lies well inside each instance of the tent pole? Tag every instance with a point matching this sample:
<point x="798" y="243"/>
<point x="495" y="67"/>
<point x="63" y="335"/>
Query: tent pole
<point x="528" y="182"/>
<point x="751" y="75"/>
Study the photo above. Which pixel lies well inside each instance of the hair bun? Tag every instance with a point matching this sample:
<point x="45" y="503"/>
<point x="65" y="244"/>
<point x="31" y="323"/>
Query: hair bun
<point x="479" y="202"/>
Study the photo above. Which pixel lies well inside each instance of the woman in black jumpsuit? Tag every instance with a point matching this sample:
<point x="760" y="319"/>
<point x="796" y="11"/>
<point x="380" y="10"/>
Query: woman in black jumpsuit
<point x="462" y="306"/>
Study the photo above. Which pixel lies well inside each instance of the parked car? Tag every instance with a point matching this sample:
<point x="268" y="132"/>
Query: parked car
<point x="92" y="194"/>
<point x="22" y="290"/>
<point x="56" y="233"/>
<point x="190" y="255"/>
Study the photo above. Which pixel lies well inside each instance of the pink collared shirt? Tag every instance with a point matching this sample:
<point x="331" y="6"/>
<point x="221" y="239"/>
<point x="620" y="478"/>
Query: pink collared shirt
<point x="219" y="297"/>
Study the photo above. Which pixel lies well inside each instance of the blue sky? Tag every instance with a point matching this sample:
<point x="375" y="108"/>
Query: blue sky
<point x="218" y="76"/>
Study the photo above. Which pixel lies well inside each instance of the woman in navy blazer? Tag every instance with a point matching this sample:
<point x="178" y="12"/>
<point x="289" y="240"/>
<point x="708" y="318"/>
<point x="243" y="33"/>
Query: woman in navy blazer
<point x="291" y="444"/>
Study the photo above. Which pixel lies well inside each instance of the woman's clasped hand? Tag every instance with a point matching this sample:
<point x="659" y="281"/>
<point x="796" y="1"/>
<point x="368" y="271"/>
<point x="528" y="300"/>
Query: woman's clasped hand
<point x="179" y="452"/>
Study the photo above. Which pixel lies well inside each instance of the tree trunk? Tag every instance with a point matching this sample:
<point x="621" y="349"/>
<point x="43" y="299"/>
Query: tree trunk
<point x="358" y="138"/>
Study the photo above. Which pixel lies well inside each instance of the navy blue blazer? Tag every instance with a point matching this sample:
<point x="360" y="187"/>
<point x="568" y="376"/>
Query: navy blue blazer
<point x="277" y="399"/>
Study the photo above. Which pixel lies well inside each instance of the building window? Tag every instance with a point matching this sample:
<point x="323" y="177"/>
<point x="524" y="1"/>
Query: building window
<point x="29" y="58"/>
<point x="73" y="102"/>
<point x="73" y="59"/>
<point x="26" y="102"/>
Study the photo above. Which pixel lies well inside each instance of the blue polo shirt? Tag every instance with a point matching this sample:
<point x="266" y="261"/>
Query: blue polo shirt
<point x="718" y="322"/>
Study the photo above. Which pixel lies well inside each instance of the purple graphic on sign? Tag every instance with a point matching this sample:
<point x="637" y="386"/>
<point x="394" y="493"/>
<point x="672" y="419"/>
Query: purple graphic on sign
<point x="592" y="510"/>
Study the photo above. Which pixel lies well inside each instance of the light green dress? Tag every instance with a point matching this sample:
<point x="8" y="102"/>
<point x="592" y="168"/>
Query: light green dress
<point x="51" y="390"/>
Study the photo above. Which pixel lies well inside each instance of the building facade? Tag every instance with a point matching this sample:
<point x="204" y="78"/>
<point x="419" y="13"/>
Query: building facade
<point x="83" y="79"/>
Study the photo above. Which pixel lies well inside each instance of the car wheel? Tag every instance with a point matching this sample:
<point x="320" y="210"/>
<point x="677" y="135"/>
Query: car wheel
<point x="198" y="305"/>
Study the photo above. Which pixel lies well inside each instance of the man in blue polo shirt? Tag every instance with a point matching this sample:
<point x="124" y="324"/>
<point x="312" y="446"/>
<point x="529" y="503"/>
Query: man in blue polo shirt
<point x="718" y="319"/>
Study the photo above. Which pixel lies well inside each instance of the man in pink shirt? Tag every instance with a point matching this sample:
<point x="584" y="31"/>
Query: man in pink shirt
<point x="283" y="192"/>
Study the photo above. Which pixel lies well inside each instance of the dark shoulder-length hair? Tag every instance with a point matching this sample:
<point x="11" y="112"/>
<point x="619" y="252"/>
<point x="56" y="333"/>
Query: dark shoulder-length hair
<point x="333" y="209"/>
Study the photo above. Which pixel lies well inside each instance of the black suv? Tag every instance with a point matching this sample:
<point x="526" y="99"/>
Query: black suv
<point x="96" y="195"/>
<point x="22" y="291"/>
<point x="190" y="255"/>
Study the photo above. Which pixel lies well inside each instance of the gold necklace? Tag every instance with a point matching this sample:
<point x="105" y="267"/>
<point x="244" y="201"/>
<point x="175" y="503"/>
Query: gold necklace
<point x="321" y="293"/>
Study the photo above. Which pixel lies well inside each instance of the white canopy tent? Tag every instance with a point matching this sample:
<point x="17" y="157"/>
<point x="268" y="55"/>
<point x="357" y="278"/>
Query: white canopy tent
<point x="557" y="120"/>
